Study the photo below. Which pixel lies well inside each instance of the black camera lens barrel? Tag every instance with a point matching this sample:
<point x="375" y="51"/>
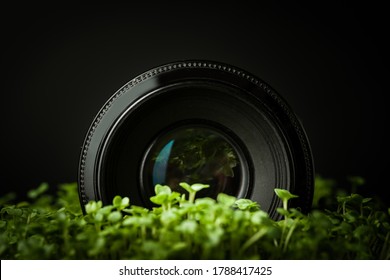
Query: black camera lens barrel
<point x="197" y="120"/>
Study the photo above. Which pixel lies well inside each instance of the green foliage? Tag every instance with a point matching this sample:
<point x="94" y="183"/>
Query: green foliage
<point x="178" y="227"/>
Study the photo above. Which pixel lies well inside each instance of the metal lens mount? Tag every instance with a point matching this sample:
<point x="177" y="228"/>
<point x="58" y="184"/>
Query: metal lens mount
<point x="196" y="122"/>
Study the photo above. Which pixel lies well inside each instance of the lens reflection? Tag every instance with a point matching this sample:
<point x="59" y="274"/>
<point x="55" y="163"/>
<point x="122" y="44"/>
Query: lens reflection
<point x="194" y="155"/>
<point x="161" y="164"/>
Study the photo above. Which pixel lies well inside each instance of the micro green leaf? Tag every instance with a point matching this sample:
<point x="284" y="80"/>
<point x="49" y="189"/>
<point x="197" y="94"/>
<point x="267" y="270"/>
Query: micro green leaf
<point x="99" y="217"/>
<point x="165" y="197"/>
<point x="159" y="189"/>
<point x="260" y="218"/>
<point x="186" y="186"/>
<point x="356" y="182"/>
<point x="226" y="200"/>
<point x="366" y="200"/>
<point x="285" y="195"/>
<point x="93" y="207"/>
<point x="193" y="189"/>
<point x="159" y="199"/>
<point x="114" y="217"/>
<point x="35" y="193"/>
<point x="247" y="204"/>
<point x="198" y="187"/>
<point x="181" y="227"/>
<point x="117" y="201"/>
<point x="283" y="211"/>
<point x="105" y="210"/>
<point x="137" y="211"/>
<point x="187" y="227"/>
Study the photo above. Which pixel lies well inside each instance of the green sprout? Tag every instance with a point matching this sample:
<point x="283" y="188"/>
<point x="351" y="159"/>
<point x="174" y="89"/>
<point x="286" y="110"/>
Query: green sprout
<point x="185" y="227"/>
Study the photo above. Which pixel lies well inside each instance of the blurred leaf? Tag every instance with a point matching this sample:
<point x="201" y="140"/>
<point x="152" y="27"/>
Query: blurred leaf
<point x="323" y="189"/>
<point x="33" y="194"/>
<point x="247" y="204"/>
<point x="114" y="217"/>
<point x="50" y="227"/>
<point x="226" y="200"/>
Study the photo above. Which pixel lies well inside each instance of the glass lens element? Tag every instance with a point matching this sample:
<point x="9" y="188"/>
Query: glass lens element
<point x="194" y="155"/>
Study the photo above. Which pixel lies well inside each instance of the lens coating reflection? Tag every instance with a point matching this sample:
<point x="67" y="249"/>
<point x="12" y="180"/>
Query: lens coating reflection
<point x="194" y="155"/>
<point x="161" y="164"/>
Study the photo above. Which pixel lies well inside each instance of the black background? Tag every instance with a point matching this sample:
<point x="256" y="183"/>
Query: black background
<point x="60" y="66"/>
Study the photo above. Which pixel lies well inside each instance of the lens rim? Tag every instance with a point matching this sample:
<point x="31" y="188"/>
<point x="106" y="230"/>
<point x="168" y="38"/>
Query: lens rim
<point x="145" y="87"/>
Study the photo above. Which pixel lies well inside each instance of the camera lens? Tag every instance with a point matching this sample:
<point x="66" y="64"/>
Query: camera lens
<point x="196" y="122"/>
<point x="195" y="154"/>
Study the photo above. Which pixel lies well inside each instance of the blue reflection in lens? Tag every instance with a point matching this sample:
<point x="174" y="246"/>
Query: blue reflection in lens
<point x="161" y="164"/>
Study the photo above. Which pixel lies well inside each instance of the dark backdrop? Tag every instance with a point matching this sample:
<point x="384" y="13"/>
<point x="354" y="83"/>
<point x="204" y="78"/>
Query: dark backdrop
<point x="60" y="66"/>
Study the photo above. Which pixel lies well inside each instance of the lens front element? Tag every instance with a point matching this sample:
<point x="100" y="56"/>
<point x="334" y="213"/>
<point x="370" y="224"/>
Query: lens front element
<point x="194" y="155"/>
